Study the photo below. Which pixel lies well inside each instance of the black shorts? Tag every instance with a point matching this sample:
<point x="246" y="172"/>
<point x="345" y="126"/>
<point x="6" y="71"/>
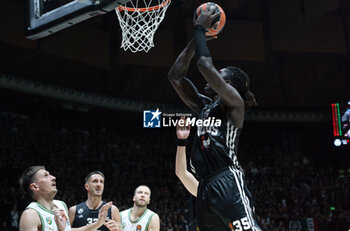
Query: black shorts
<point x="224" y="202"/>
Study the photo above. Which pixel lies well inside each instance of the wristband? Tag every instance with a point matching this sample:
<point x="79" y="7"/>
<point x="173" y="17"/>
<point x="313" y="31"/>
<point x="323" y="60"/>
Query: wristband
<point x="201" y="42"/>
<point x="182" y="142"/>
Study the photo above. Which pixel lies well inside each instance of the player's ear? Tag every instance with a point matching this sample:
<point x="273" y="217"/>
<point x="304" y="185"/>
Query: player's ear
<point x="86" y="186"/>
<point x="34" y="187"/>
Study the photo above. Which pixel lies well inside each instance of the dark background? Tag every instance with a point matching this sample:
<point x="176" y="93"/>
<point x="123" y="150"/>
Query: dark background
<point x="295" y="52"/>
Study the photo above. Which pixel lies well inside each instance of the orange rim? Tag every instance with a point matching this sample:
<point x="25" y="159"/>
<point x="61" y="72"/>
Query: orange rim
<point x="123" y="8"/>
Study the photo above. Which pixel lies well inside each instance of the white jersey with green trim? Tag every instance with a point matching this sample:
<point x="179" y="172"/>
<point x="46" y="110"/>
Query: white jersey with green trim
<point x="140" y="224"/>
<point x="47" y="216"/>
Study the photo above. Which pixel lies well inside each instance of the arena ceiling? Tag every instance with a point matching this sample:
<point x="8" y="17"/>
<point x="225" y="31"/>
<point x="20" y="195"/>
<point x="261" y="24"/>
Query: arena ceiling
<point x="296" y="52"/>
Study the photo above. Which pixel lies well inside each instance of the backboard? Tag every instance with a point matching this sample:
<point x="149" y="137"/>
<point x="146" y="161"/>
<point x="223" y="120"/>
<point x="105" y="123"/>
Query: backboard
<point x="45" y="17"/>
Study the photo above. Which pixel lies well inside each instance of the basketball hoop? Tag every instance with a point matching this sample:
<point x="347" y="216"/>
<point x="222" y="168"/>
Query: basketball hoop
<point x="139" y="20"/>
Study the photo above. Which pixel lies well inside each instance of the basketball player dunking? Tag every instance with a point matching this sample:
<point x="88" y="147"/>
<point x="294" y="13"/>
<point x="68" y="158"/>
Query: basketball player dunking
<point x="87" y="213"/>
<point x="223" y="201"/>
<point x="139" y="217"/>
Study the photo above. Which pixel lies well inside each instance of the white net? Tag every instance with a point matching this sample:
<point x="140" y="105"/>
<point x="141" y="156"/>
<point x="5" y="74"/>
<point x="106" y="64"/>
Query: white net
<point x="140" y="24"/>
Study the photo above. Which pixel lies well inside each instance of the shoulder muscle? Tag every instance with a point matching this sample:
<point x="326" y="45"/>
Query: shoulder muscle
<point x="29" y="221"/>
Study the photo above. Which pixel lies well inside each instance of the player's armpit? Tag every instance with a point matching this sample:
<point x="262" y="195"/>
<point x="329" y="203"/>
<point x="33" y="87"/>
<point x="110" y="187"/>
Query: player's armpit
<point x="188" y="93"/>
<point x="29" y="221"/>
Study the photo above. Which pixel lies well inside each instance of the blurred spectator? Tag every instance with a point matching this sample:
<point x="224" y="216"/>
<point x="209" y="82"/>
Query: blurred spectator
<point x="14" y="218"/>
<point x="4" y="226"/>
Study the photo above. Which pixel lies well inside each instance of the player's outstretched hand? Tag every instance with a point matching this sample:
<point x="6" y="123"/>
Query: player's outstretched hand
<point x="102" y="214"/>
<point x="207" y="16"/>
<point x="60" y="219"/>
<point x="182" y="132"/>
<point x="112" y="225"/>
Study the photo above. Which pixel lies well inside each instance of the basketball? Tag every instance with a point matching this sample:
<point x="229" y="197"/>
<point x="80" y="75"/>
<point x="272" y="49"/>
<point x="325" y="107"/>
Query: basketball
<point x="218" y="23"/>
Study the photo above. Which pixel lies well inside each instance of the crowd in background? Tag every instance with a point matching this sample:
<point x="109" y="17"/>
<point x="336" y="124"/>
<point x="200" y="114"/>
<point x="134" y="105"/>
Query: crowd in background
<point x="291" y="189"/>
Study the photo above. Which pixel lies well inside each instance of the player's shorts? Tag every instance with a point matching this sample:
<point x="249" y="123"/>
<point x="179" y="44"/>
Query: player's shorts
<point x="224" y="202"/>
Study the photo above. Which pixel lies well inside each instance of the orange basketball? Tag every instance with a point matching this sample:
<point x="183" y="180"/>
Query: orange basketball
<point x="218" y="23"/>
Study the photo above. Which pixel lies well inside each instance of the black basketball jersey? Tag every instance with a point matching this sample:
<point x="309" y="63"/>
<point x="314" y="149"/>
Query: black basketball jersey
<point x="84" y="216"/>
<point x="214" y="147"/>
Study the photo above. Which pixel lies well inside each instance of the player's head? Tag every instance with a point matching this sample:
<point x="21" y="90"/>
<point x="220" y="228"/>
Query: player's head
<point x="94" y="183"/>
<point x="142" y="196"/>
<point x="240" y="81"/>
<point x="38" y="182"/>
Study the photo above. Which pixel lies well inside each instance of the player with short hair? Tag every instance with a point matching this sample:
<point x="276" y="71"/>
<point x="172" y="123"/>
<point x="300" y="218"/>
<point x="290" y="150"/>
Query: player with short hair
<point x="86" y="213"/>
<point x="223" y="201"/>
<point x="45" y="213"/>
<point x="139" y="217"/>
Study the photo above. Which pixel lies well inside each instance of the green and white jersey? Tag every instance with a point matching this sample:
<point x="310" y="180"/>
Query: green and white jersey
<point x="140" y="224"/>
<point x="47" y="216"/>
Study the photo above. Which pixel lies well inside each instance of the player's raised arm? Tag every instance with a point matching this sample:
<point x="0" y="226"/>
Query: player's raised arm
<point x="187" y="179"/>
<point x="230" y="96"/>
<point x="183" y="86"/>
